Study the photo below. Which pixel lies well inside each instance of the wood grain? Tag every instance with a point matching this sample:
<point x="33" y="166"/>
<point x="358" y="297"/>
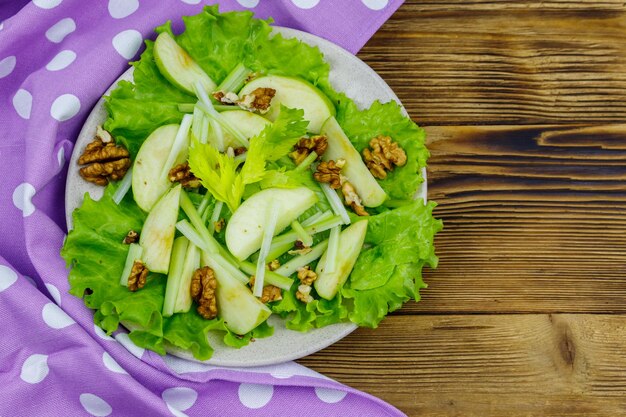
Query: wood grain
<point x="524" y="104"/>
<point x="505" y="62"/>
<point x="493" y="365"/>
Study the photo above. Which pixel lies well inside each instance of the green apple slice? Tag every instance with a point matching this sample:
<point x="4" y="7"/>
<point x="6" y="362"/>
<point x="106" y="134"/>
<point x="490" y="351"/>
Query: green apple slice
<point x="244" y="231"/>
<point x="240" y="310"/>
<point x="350" y="243"/>
<point x="178" y="67"/>
<point x="147" y="182"/>
<point x="249" y="124"/>
<point x="340" y="147"/>
<point x="157" y="234"/>
<point x="296" y="94"/>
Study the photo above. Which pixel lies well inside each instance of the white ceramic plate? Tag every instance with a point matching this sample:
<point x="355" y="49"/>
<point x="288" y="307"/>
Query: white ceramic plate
<point x="348" y="74"/>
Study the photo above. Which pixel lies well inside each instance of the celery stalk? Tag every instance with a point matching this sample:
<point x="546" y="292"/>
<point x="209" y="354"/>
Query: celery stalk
<point x="318" y="227"/>
<point x="215" y="216"/>
<point x="235" y="79"/>
<point x="335" y="202"/>
<point x="271" y="277"/>
<point x="317" y="217"/>
<point x="268" y="233"/>
<point x="225" y="107"/>
<point x="300" y="261"/>
<point x="180" y="142"/>
<point x="186" y="107"/>
<point x="174" y="275"/>
<point x="306" y="162"/>
<point x="192" y="262"/>
<point x="277" y="250"/>
<point x="123" y="187"/>
<point x="134" y="254"/>
<point x="303" y="236"/>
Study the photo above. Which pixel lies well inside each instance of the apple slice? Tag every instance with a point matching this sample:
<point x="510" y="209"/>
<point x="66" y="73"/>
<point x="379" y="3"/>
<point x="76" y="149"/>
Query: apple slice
<point x="350" y="243"/>
<point x="157" y="234"/>
<point x="340" y="147"/>
<point x="249" y="124"/>
<point x="244" y="231"/>
<point x="147" y="182"/>
<point x="175" y="64"/>
<point x="240" y="310"/>
<point x="296" y="94"/>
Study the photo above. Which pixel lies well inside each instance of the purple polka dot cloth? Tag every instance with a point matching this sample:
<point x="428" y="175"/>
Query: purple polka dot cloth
<point x="57" y="57"/>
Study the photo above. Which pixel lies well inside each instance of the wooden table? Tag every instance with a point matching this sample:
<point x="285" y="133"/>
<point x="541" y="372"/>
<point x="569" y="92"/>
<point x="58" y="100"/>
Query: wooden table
<point x="524" y="103"/>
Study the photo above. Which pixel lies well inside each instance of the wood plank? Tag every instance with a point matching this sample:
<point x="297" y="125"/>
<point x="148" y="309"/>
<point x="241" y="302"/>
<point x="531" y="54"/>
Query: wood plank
<point x="487" y="365"/>
<point x="503" y="62"/>
<point x="535" y="219"/>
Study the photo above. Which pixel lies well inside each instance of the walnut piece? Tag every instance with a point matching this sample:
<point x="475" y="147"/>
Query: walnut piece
<point x="304" y="293"/>
<point x="274" y="265"/>
<point x="329" y="172"/>
<point x="270" y="292"/>
<point x="240" y="151"/>
<point x="104" y="159"/>
<point x="137" y="277"/>
<point x="226" y="97"/>
<point x="258" y="100"/>
<point x="203" y="286"/>
<point x="219" y="225"/>
<point x="306" y="276"/>
<point x="305" y="146"/>
<point x="384" y="156"/>
<point x="352" y="199"/>
<point x="182" y="173"/>
<point x="131" y="237"/>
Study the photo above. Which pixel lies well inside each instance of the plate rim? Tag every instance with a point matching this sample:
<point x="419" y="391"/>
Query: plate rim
<point x="345" y="328"/>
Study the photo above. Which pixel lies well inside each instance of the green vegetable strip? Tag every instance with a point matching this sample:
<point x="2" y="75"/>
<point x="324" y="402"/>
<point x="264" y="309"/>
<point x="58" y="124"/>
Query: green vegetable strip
<point x="306" y="162"/>
<point x="300" y="261"/>
<point x="278" y="250"/>
<point x="174" y="276"/>
<point x="318" y="227"/>
<point x="303" y="236"/>
<point x="333" y="249"/>
<point x="235" y="79"/>
<point x="186" y="107"/>
<point x="217" y="211"/>
<point x="202" y="207"/>
<point x="196" y="122"/>
<point x="268" y="233"/>
<point x="123" y="187"/>
<point x="317" y="217"/>
<point x="180" y="142"/>
<point x="335" y="202"/>
<point x="206" y="106"/>
<point x="191" y="233"/>
<point x="204" y="130"/>
<point x="225" y="107"/>
<point x="271" y="277"/>
<point x="134" y="253"/>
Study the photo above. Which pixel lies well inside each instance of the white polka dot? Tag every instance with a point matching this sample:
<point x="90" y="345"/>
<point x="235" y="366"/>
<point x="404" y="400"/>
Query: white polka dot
<point x="111" y="364"/>
<point x="35" y="369"/>
<point x="61" y="156"/>
<point x="60" y="30"/>
<point x="305" y="4"/>
<point x="23" y="103"/>
<point x="191" y="1"/>
<point x="62" y="60"/>
<point x="47" y="4"/>
<point x="248" y="3"/>
<point x="95" y="405"/>
<point x="179" y="399"/>
<point x="55" y="317"/>
<point x="7" y="277"/>
<point x="54" y="292"/>
<point x="7" y="65"/>
<point x="375" y="4"/>
<point x="22" y="196"/>
<point x="127" y="43"/>
<point x="119" y="9"/>
<point x="255" y="395"/>
<point x="129" y="345"/>
<point x="65" y="107"/>
<point x="330" y="396"/>
<point x="101" y="334"/>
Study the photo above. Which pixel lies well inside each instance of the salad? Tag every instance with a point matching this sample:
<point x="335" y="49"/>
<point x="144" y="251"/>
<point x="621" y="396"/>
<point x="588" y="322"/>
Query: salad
<point x="240" y="184"/>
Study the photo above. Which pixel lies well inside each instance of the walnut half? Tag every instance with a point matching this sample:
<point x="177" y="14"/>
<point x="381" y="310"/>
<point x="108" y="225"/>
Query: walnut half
<point x="305" y="146"/>
<point x="329" y="172"/>
<point x="104" y="159"/>
<point x="352" y="199"/>
<point x="203" y="286"/>
<point x="383" y="156"/>
<point x="270" y="292"/>
<point x="182" y="173"/>
<point x="137" y="277"/>
<point x="258" y="100"/>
